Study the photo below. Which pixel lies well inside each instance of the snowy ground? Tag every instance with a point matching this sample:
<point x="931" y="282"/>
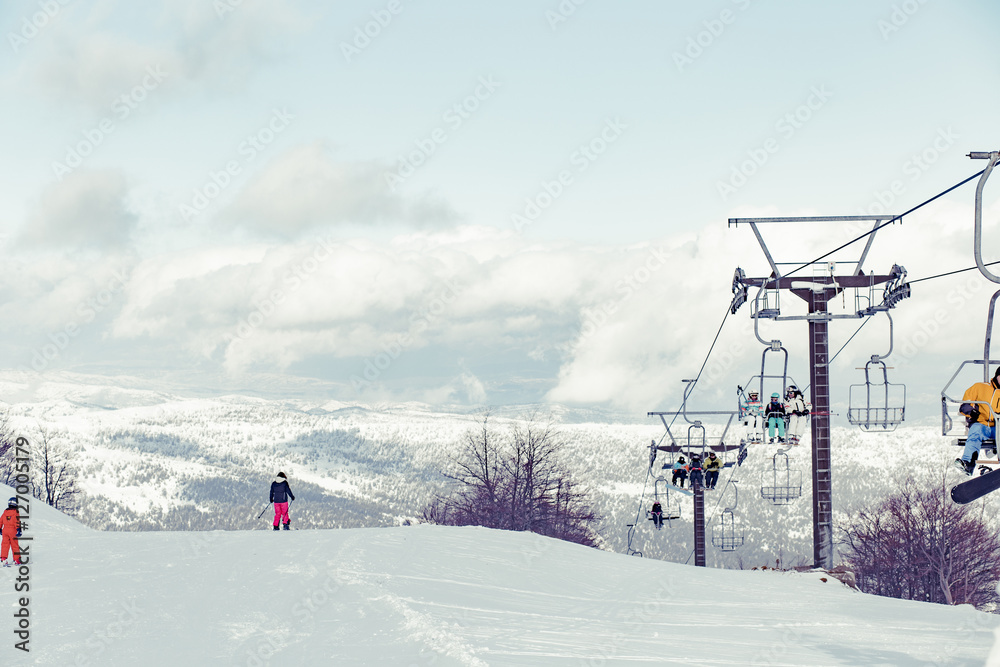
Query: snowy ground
<point x="426" y="595"/>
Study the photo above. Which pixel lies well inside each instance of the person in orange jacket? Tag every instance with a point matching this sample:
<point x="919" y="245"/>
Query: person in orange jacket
<point x="980" y="405"/>
<point x="10" y="530"/>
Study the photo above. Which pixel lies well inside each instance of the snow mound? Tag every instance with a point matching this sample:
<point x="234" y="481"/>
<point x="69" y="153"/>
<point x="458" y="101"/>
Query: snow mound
<point x="430" y="595"/>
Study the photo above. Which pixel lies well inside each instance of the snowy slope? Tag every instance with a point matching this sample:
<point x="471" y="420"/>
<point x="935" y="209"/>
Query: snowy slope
<point x="427" y="595"/>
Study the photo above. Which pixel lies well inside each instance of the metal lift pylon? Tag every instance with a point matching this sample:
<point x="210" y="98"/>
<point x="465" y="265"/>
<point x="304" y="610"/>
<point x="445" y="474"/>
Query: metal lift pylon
<point x="817" y="291"/>
<point x="694" y="447"/>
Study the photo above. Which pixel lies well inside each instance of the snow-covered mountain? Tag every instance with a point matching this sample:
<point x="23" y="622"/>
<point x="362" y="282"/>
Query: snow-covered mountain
<point x="429" y="595"/>
<point x="150" y="458"/>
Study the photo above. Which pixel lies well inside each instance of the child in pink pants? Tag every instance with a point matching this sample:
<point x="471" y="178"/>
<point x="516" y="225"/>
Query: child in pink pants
<point x="280" y="493"/>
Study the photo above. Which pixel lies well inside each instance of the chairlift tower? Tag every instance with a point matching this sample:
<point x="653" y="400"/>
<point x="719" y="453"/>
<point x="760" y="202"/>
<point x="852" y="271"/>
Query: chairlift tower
<point x="817" y="291"/>
<point x="696" y="443"/>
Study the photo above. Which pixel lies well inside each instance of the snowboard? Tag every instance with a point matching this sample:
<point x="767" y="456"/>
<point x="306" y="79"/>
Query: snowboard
<point x="975" y="487"/>
<point x="680" y="490"/>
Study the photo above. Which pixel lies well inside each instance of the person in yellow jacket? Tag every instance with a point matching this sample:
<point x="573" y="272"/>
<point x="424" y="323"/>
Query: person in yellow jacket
<point x="980" y="405"/>
<point x="712" y="467"/>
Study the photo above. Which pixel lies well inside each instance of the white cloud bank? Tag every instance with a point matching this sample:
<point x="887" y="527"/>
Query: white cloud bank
<point x="458" y="314"/>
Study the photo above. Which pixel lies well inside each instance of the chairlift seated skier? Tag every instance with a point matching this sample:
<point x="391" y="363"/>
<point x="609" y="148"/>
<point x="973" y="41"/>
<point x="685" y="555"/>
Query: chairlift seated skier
<point x="750" y="414"/>
<point x="695" y="470"/>
<point x="775" y="414"/>
<point x="798" y="411"/>
<point x="680" y="472"/>
<point x="657" y="514"/>
<point x="980" y="405"/>
<point x="713" y="465"/>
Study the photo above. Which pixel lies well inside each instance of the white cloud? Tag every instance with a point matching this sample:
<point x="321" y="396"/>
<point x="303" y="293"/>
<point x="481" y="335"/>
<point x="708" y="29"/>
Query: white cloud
<point x="306" y="188"/>
<point x="84" y="56"/>
<point x="193" y="291"/>
<point x="87" y="209"/>
<point x="97" y="69"/>
<point x="59" y="297"/>
<point x="254" y="310"/>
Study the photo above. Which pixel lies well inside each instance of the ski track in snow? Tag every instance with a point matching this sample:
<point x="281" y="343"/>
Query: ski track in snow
<point x="421" y="627"/>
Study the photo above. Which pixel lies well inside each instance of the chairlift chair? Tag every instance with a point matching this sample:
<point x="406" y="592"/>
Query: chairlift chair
<point x="771" y="382"/>
<point x="770" y="379"/>
<point x="697" y="439"/>
<point x="786" y="482"/>
<point x="774" y="346"/>
<point x="729" y="534"/>
<point x="766" y="304"/>
<point x="670" y="508"/>
<point x="874" y="405"/>
<point x="631" y="535"/>
<point x="985" y="361"/>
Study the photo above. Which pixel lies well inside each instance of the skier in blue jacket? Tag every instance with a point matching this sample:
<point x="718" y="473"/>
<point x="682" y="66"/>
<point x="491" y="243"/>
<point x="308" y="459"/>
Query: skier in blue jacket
<point x="680" y="473"/>
<point x="280" y="493"/>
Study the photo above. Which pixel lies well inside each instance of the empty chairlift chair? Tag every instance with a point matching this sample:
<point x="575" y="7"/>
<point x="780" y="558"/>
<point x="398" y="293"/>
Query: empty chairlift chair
<point x="728" y="534"/>
<point x="766" y="304"/>
<point x="877" y="405"/>
<point x="782" y="483"/>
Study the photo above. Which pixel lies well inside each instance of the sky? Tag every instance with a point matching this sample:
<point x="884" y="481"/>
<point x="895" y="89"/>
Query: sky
<point x="481" y="203"/>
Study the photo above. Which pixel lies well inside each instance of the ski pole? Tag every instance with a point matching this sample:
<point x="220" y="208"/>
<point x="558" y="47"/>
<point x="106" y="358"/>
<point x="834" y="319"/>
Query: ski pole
<point x="263" y="510"/>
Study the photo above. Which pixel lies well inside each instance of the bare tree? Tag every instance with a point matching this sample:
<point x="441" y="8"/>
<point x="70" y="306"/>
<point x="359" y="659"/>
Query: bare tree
<point x="477" y="471"/>
<point x="918" y="545"/>
<point x="54" y="479"/>
<point x="516" y="480"/>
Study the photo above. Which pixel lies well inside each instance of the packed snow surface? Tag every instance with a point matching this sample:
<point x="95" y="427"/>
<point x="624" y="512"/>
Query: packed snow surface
<point x="429" y="595"/>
